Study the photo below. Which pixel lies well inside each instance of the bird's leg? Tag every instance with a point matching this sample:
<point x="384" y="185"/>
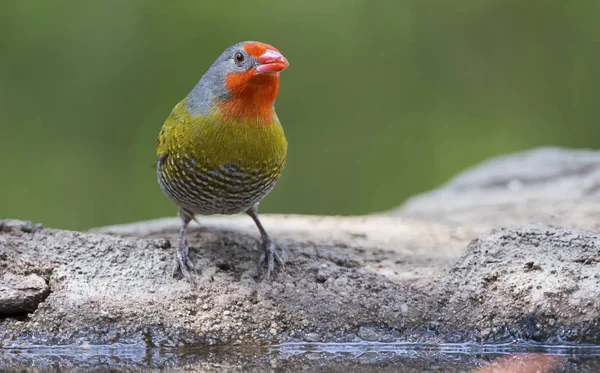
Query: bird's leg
<point x="270" y="255"/>
<point x="182" y="260"/>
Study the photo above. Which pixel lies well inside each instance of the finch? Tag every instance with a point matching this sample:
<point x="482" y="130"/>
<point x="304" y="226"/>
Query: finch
<point x="222" y="148"/>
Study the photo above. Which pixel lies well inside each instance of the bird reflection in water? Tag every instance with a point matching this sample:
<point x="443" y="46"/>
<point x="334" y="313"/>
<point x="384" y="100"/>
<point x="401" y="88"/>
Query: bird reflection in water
<point x="522" y="363"/>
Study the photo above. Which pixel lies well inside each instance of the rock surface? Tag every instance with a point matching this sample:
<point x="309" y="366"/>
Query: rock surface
<point x="370" y="278"/>
<point x="535" y="277"/>
<point x="549" y="185"/>
<point x="342" y="273"/>
<point x="20" y="295"/>
<point x="23" y="284"/>
<point x="441" y="270"/>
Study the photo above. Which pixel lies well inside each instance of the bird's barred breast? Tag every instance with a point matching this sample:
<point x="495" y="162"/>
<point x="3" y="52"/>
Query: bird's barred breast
<point x="228" y="189"/>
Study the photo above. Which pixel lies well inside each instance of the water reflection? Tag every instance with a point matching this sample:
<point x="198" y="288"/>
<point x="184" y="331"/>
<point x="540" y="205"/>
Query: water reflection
<point x="359" y="357"/>
<point x="523" y="363"/>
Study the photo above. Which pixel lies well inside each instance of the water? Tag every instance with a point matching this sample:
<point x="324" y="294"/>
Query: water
<point x="347" y="357"/>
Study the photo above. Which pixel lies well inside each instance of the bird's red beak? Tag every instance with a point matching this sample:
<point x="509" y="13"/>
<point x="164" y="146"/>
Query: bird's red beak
<point x="271" y="62"/>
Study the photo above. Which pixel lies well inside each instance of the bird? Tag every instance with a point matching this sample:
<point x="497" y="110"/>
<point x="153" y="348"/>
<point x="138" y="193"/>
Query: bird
<point x="222" y="148"/>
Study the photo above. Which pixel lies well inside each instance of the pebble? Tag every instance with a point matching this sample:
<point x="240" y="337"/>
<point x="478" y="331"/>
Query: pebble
<point x="368" y="358"/>
<point x="387" y="338"/>
<point x="322" y="276"/>
<point x="341" y="281"/>
<point x="312" y="337"/>
<point x="485" y="332"/>
<point x="368" y="334"/>
<point x="289" y="285"/>
<point x="404" y="308"/>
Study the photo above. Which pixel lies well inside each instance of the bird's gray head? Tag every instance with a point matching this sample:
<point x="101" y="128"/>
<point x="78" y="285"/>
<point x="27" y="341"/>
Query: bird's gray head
<point x="238" y="66"/>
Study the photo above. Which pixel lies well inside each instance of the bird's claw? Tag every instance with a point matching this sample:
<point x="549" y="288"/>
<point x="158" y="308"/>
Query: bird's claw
<point x="270" y="256"/>
<point x="183" y="263"/>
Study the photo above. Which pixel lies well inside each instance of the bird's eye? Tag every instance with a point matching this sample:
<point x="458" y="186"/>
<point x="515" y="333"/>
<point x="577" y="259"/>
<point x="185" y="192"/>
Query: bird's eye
<point x="239" y="57"/>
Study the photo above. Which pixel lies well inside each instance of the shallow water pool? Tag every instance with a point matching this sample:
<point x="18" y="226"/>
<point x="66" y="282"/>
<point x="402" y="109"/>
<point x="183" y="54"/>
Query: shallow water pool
<point x="292" y="357"/>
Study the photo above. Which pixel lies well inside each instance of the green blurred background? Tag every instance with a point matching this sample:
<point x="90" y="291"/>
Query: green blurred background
<point x="382" y="100"/>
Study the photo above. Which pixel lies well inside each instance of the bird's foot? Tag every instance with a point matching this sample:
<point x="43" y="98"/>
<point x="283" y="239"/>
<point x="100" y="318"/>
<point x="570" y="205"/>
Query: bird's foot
<point x="270" y="256"/>
<point x="183" y="262"/>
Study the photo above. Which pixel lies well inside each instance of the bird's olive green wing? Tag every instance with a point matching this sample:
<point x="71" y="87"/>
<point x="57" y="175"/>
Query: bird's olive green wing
<point x="170" y="132"/>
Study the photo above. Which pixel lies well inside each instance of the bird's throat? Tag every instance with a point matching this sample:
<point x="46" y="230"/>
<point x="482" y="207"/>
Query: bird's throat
<point x="251" y="97"/>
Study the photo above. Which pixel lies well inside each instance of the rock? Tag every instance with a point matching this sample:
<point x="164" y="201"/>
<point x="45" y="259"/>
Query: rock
<point x="23" y="283"/>
<point x="533" y="301"/>
<point x="119" y="293"/>
<point x="439" y="271"/>
<point x="485" y="333"/>
<point x="531" y="266"/>
<point x="109" y="285"/>
<point x="20" y="295"/>
<point x="19" y="225"/>
<point x="387" y="338"/>
<point x="368" y="334"/>
<point x="312" y="337"/>
<point x="551" y="185"/>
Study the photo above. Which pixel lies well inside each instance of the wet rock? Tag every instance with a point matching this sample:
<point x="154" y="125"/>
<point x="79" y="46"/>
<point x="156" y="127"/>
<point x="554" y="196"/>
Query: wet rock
<point x="368" y="334"/>
<point x="387" y="338"/>
<point x="312" y="337"/>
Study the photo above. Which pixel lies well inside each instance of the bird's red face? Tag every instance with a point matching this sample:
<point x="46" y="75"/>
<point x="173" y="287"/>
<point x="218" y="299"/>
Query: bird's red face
<point x="253" y="81"/>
